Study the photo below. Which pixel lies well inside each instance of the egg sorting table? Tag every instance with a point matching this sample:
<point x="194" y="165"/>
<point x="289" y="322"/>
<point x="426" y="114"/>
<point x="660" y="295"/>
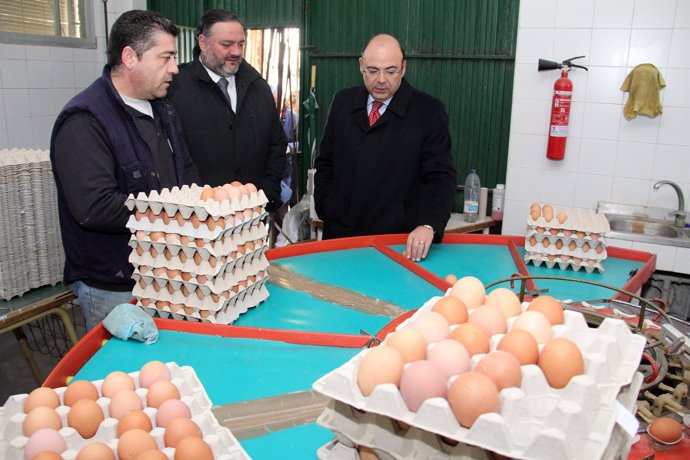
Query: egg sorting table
<point x="278" y="350"/>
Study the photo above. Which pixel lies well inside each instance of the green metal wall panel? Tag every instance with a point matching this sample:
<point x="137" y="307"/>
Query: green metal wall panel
<point x="255" y="13"/>
<point x="461" y="51"/>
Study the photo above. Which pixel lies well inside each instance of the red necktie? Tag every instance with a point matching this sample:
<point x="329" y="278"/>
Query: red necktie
<point x="374" y="114"/>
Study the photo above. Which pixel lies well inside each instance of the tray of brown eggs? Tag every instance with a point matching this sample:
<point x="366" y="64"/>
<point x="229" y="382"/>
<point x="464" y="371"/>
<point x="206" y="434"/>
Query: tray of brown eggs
<point x="198" y="252"/>
<point x="162" y="411"/>
<point x="566" y="238"/>
<point x="524" y="380"/>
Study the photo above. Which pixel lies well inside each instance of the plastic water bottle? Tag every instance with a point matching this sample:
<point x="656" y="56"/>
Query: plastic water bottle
<point x="472" y="186"/>
<point x="497" y="202"/>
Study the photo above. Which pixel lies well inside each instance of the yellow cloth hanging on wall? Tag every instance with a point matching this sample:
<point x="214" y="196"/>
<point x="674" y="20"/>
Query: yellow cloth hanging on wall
<point x="643" y="84"/>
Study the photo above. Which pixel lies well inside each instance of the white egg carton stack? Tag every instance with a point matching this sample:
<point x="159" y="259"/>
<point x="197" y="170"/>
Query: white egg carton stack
<point x="578" y="242"/>
<point x="198" y="260"/>
<point x="222" y="442"/>
<point x="30" y="242"/>
<point x="535" y="421"/>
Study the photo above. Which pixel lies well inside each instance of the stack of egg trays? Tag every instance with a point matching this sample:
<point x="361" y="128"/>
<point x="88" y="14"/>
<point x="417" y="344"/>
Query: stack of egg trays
<point x="579" y="243"/>
<point x="535" y="421"/>
<point x="222" y="442"/>
<point x="30" y="238"/>
<point x="217" y="246"/>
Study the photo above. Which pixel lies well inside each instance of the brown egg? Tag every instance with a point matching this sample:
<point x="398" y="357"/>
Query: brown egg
<point x="554" y="231"/>
<point x="535" y="211"/>
<point x="409" y="342"/>
<point x="545" y="242"/>
<point x="562" y="217"/>
<point x="134" y="419"/>
<point x="41" y="417"/>
<point x="381" y="364"/>
<point x="85" y="416"/>
<point x="157" y="236"/>
<point x="134" y="442"/>
<point x="472" y="337"/>
<point x="366" y="453"/>
<point x="116" y="381"/>
<point x="550" y="307"/>
<point x="547" y="212"/>
<point x="193" y="448"/>
<point x="580" y="234"/>
<point x="506" y="300"/>
<point x="153" y="454"/>
<point x="95" y="451"/>
<point x="124" y="401"/>
<point x="533" y="241"/>
<point x="470" y="290"/>
<point x="599" y="249"/>
<point x="452" y="308"/>
<point x="502" y="368"/>
<point x="206" y="194"/>
<point x="559" y="244"/>
<point x="219" y="194"/>
<point x="560" y="360"/>
<point x="194" y="219"/>
<point x="490" y="318"/>
<point x="41" y="396"/>
<point x="471" y="395"/>
<point x="540" y="230"/>
<point x="178" y="429"/>
<point x="586" y="247"/>
<point x="161" y="391"/>
<point x="666" y="430"/>
<point x="522" y="345"/>
<point x="153" y="371"/>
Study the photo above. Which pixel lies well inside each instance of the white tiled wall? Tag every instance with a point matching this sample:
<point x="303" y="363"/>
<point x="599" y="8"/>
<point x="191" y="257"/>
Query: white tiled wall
<point x="37" y="81"/>
<point x="607" y="157"/>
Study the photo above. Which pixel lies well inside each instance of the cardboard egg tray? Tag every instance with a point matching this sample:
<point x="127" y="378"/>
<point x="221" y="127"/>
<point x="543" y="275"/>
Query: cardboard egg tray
<point x="578" y="243"/>
<point x="171" y="281"/>
<point x="201" y="296"/>
<point x="564" y="262"/>
<point x="202" y="230"/>
<point x="222" y="442"/>
<point x="535" y="420"/>
<point x="185" y="200"/>
<point x="247" y="298"/>
<point x="584" y="223"/>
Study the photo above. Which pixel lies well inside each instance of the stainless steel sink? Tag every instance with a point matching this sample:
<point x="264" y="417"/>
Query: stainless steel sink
<point x="642" y="227"/>
<point x="643" y="223"/>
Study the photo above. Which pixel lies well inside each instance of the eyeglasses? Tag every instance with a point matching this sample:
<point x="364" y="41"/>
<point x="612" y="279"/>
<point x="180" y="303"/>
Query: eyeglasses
<point x="388" y="71"/>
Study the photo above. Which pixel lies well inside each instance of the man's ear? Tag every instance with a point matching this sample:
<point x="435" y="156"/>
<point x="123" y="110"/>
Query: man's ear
<point x="129" y="57"/>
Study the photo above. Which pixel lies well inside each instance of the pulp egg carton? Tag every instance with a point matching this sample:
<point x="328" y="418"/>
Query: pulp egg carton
<point x="584" y="223"/>
<point x="186" y="200"/>
<point x="254" y="263"/>
<point x="353" y="428"/>
<point x="386" y="437"/>
<point x="201" y="296"/>
<point x="208" y="229"/>
<point x="535" y="421"/>
<point x="222" y="442"/>
<point x="231" y="309"/>
<point x="546" y="243"/>
<point x="564" y="261"/>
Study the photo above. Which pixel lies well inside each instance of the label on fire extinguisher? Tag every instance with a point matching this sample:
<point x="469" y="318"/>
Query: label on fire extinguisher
<point x="560" y="112"/>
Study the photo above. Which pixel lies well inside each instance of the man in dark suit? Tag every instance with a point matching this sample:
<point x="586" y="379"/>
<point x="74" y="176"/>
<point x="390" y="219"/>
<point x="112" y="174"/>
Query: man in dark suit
<point x="233" y="131"/>
<point x="384" y="164"/>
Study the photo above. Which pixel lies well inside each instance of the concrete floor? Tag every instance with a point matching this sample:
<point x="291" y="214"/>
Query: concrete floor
<point x="48" y="343"/>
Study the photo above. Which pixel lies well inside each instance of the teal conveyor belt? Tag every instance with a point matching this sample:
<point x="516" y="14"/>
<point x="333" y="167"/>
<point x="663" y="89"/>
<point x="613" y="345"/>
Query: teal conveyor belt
<point x="236" y="369"/>
<point x="231" y="369"/>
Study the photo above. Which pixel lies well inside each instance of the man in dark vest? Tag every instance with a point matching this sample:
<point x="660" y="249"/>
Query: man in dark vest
<point x="118" y="136"/>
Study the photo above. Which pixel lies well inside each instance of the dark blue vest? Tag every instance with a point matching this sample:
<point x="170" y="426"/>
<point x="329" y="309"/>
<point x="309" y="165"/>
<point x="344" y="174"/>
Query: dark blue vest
<point x="97" y="256"/>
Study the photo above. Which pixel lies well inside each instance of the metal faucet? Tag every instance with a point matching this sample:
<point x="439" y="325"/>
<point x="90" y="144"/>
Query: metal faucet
<point x="680" y="214"/>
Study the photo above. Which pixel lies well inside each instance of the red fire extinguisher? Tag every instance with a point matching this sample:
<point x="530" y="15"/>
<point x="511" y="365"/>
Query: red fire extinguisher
<point x="560" y="106"/>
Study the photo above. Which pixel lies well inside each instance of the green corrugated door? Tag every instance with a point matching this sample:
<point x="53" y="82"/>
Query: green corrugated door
<point x="461" y="51"/>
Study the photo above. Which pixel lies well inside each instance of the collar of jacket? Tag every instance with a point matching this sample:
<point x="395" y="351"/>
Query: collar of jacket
<point x="244" y="77"/>
<point x="397" y="106"/>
